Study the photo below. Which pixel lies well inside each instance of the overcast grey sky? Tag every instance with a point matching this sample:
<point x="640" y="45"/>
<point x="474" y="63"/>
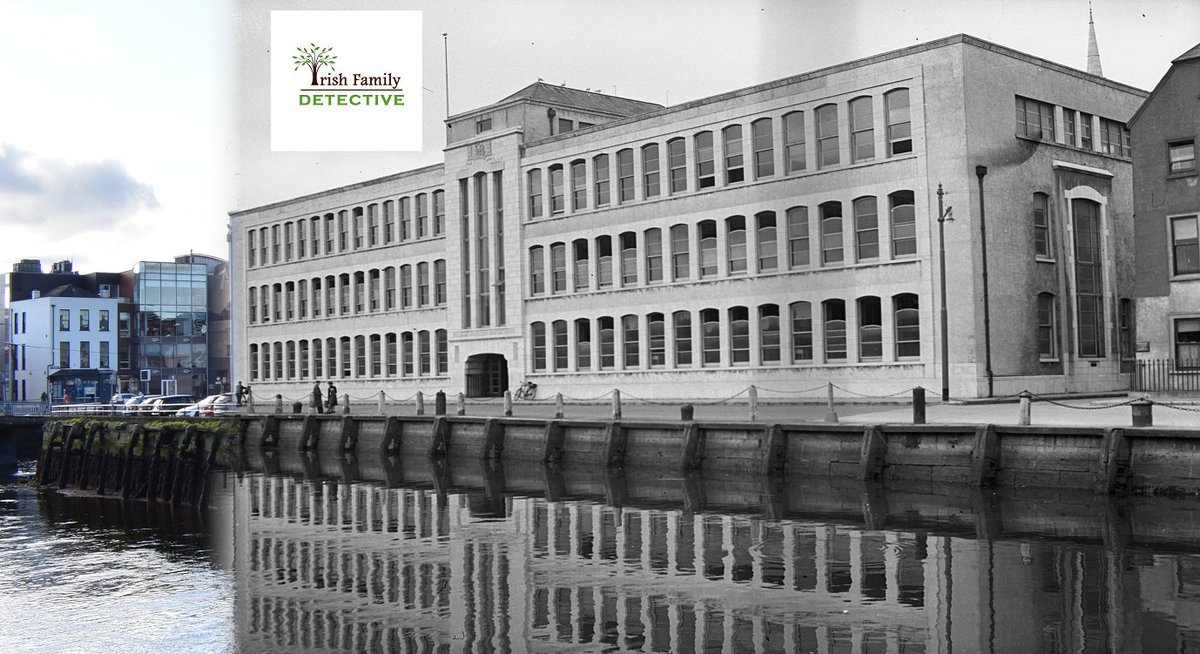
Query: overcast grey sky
<point x="133" y="128"/>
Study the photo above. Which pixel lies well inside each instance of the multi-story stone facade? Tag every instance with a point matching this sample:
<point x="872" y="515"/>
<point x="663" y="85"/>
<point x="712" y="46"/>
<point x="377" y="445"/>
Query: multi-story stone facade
<point x="783" y="235"/>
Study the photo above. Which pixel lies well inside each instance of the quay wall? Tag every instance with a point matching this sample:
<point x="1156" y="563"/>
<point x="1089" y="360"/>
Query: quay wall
<point x="1106" y="460"/>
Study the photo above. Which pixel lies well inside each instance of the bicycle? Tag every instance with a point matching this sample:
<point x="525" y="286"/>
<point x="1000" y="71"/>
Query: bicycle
<point x="525" y="391"/>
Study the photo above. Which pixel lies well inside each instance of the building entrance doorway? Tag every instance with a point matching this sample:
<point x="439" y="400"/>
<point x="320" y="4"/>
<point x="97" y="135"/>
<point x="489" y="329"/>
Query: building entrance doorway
<point x="487" y="375"/>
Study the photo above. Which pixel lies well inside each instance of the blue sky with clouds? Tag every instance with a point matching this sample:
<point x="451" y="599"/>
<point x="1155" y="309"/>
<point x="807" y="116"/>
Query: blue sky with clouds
<point x="129" y="129"/>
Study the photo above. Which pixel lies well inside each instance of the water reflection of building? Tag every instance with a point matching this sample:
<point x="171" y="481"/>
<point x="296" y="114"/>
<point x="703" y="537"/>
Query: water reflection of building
<point x="327" y="565"/>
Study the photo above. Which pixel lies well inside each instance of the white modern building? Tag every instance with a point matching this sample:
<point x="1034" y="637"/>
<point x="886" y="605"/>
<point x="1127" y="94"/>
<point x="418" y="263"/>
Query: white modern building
<point x="64" y="343"/>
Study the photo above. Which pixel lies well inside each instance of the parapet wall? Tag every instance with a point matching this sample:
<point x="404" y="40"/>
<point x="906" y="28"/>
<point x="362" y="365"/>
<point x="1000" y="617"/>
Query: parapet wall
<point x="1106" y="460"/>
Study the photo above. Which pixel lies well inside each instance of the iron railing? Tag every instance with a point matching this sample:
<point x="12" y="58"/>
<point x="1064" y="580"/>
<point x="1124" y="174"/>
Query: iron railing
<point x="1166" y="376"/>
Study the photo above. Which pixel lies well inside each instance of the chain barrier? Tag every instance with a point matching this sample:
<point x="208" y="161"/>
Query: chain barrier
<point x="877" y="397"/>
<point x="1191" y="408"/>
<point x="602" y="396"/>
<point x="800" y="392"/>
<point x="678" y="402"/>
<point x="1081" y="408"/>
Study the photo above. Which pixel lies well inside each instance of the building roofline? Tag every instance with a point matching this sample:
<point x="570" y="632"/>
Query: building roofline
<point x="238" y="213"/>
<point x="1186" y="58"/>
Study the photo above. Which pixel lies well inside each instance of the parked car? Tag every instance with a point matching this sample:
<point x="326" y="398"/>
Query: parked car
<point x="168" y="404"/>
<point x="217" y="404"/>
<point x="133" y="405"/>
<point x="195" y="408"/>
<point x="117" y="403"/>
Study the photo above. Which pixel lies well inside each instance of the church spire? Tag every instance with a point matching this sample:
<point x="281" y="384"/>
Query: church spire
<point x="1093" y="60"/>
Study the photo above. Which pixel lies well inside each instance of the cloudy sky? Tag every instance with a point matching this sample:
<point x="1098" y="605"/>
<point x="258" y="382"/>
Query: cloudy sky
<point x="129" y="129"/>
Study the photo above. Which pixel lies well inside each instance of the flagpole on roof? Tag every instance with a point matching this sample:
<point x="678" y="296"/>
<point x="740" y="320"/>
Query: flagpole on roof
<point x="446" y="59"/>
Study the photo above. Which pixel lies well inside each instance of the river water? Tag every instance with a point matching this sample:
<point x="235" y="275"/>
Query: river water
<point x="325" y="556"/>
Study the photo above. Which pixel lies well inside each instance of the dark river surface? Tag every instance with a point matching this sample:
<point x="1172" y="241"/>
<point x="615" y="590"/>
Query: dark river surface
<point x="330" y="556"/>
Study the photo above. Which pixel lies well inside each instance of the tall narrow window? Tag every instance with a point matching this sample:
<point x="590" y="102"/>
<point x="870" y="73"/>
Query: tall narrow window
<point x="831" y="233"/>
<point x="537" y="270"/>
<point x="301" y="241"/>
<point x="1047" y="333"/>
<point x="389" y="229"/>
<point x="389" y="356"/>
<point x="656" y="325"/>
<point x="288" y="241"/>
<point x="624" y="176"/>
<point x="275" y="243"/>
<point x="561" y="349"/>
<point x="439" y="212"/>
<point x="768" y="255"/>
<point x="85" y="354"/>
<point x="870" y="328"/>
<point x="538" y="338"/>
<point x="708" y="248"/>
<point x="710" y="337"/>
<point x="389" y="289"/>
<point x="629" y="340"/>
<point x="406" y="352"/>
<point x="253" y="361"/>
<point x="556" y="189"/>
<point x="866" y="228"/>
<point x="1185" y="245"/>
<point x="600" y="174"/>
<point x="677" y="165"/>
<point x="422" y="217"/>
<point x="1187" y="343"/>
<point x="604" y="262"/>
<point x="629" y="258"/>
<point x="608" y="347"/>
<point x="343" y="232"/>
<point x="375" y="355"/>
<point x="739" y="334"/>
<point x="372" y="225"/>
<point x="680" y="263"/>
<point x="405" y="214"/>
<point x="535" y="193"/>
<point x="682" y="322"/>
<point x="705" y="168"/>
<point x="862" y="130"/>
<point x="423" y="284"/>
<point x="654" y="255"/>
<point x="764" y="148"/>
<point x="904" y="223"/>
<point x="1069" y="126"/>
<point x="731" y="139"/>
<point x="314" y="233"/>
<point x="1125" y="324"/>
<point x="558" y="268"/>
<point x="1089" y="280"/>
<point x="899" y="123"/>
<point x="439" y="282"/>
<point x="768" y="333"/>
<point x="406" y="286"/>
<point x="650" y="174"/>
<point x="579" y="249"/>
<point x="251" y="261"/>
<point x="835" y="329"/>
<point x="373" y="290"/>
<point x="797" y="234"/>
<point x="827" y="136"/>
<point x="578" y="185"/>
<point x="1041" y="225"/>
<point x="735" y="244"/>
<point x="583" y="344"/>
<point x="793" y="142"/>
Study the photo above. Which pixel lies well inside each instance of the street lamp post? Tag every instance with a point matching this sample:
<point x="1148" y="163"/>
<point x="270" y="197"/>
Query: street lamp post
<point x="944" y="216"/>
<point x="980" y="173"/>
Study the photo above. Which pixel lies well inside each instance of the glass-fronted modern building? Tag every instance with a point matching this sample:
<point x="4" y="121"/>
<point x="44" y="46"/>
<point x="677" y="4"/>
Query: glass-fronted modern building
<point x="171" y="332"/>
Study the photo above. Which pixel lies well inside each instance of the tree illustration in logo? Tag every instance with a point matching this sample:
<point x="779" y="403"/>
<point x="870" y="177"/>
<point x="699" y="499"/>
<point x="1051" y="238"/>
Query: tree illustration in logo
<point x="314" y="57"/>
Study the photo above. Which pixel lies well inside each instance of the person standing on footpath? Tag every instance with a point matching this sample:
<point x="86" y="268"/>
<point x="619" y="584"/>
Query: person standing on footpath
<point x="332" y="398"/>
<point x="241" y="393"/>
<point x="316" y="398"/>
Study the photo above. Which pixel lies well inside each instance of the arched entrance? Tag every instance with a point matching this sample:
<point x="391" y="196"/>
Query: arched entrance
<point x="487" y="375"/>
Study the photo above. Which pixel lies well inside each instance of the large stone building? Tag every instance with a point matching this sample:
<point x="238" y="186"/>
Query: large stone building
<point x="1167" y="201"/>
<point x="784" y="235"/>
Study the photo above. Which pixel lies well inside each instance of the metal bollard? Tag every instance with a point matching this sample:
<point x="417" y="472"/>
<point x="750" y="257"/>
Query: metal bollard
<point x="462" y="404"/>
<point x="616" y="404"/>
<point x="249" y="404"/>
<point x="507" y="404"/>
<point x="420" y="403"/>
<point x="753" y="395"/>
<point x="346" y="403"/>
<point x="278" y="403"/>
<point x="558" y="406"/>
<point x="297" y="407"/>
<point x="1143" y="413"/>
<point x="830" y="414"/>
<point x="1026" y="409"/>
<point x="687" y="413"/>
<point x="439" y="403"/>
<point x="918" y="394"/>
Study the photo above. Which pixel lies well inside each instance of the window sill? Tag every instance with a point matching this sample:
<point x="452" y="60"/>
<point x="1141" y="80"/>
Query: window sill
<point x="1044" y="259"/>
<point x="1053" y="360"/>
<point x="1189" y="277"/>
<point x="1182" y="174"/>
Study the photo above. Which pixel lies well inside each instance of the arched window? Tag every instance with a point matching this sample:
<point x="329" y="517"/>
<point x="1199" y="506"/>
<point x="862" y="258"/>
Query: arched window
<point x="376" y="355"/>
<point x="1089" y="277"/>
<point x="629" y="340"/>
<point x="731" y="140"/>
<point x="708" y="247"/>
<point x="682" y="324"/>
<point x="253" y="361"/>
<point x="608" y="348"/>
<point x="866" y="228"/>
<point x="907" y="313"/>
<point x="558" y="267"/>
<point x="1047" y="327"/>
<point x="899" y="127"/>
<point x="904" y="223"/>
<point x="835" y="329"/>
<point x="827" y="136"/>
<point x="424" y="352"/>
<point x="831" y="233"/>
<point x="629" y="258"/>
<point x="870" y="328"/>
<point x="561" y="349"/>
<point x="601" y="177"/>
<point x="739" y="334"/>
<point x="578" y="185"/>
<point x="650" y="169"/>
<point x="768" y="333"/>
<point x="793" y="142"/>
<point x="442" y="346"/>
<point x="800" y="315"/>
<point x="705" y="170"/>
<point x="764" y="148"/>
<point x="538" y="342"/>
<point x="735" y="243"/>
<point x="390" y="353"/>
<point x="656" y="324"/>
<point x="604" y="262"/>
<point x="582" y="264"/>
<point x="862" y="129"/>
<point x="537" y="270"/>
<point x="654" y="255"/>
<point x="535" y="193"/>
<point x="583" y="344"/>
<point x="625" y="192"/>
<point x="317" y="359"/>
<point x="710" y="337"/>
<point x="768" y="256"/>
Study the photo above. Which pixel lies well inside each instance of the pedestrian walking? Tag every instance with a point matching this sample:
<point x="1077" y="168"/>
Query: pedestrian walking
<point x="316" y="398"/>
<point x="241" y="393"/>
<point x="332" y="402"/>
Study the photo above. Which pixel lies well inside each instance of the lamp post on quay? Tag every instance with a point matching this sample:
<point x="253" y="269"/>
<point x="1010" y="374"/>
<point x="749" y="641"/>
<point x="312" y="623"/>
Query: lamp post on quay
<point x="944" y="216"/>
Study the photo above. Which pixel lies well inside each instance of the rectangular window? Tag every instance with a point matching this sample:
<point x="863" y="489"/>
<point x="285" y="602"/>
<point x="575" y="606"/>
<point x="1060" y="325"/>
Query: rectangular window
<point x="124" y="324"/>
<point x="827" y="136"/>
<point x="64" y="354"/>
<point x="556" y="190"/>
<point x="764" y="148"/>
<point x="1047" y="334"/>
<point x="422" y="215"/>
<point x="1185" y="245"/>
<point x="608" y="347"/>
<point x="558" y="268"/>
<point x="1187" y="343"/>
<point x="680" y="263"/>
<point x="85" y="354"/>
<point x="565" y="125"/>
<point x="654" y="256"/>
<point x="1085" y="131"/>
<point x="797" y="231"/>
<point x="535" y="193"/>
<point x="1041" y="225"/>
<point x="793" y="142"/>
<point x="866" y="228"/>
<point x="103" y="362"/>
<point x="1069" y="117"/>
<point x="650" y="173"/>
<point x="629" y="340"/>
<point x="862" y="130"/>
<point x="1089" y="283"/>
<point x="103" y="322"/>
<point x="899" y="122"/>
<point x="1114" y="138"/>
<point x="483" y="125"/>
<point x="250" y="249"/>
<point x="600" y="174"/>
<point x="683" y="338"/>
<point x="578" y="185"/>
<point x="1035" y="119"/>
<point x="734" y="157"/>
<point x="64" y="320"/>
<point x="677" y="165"/>
<point x="624" y="176"/>
<point x="439" y="212"/>
<point x="1182" y="156"/>
<point x="85" y="320"/>
<point x="705" y="168"/>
